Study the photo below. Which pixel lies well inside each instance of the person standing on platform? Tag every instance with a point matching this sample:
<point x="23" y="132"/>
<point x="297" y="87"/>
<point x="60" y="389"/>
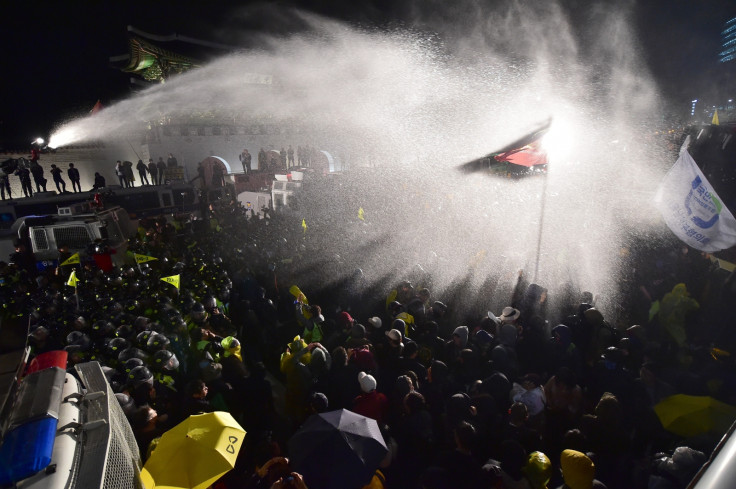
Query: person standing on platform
<point x="245" y="159"/>
<point x="161" y="165"/>
<point x="290" y="156"/>
<point x="128" y="169"/>
<point x="99" y="182"/>
<point x="120" y="172"/>
<point x="282" y="158"/>
<point x="37" y="172"/>
<point x="142" y="170"/>
<point x="73" y="174"/>
<point x="25" y="180"/>
<point x="171" y="161"/>
<point x="262" y="160"/>
<point x="153" y="170"/>
<point x="58" y="180"/>
<point x="201" y="176"/>
<point x="35" y="155"/>
<point x="5" y="185"/>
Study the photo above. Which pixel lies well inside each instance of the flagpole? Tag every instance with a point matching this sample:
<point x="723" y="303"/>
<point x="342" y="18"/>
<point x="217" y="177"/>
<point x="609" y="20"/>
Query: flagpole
<point x="541" y="226"/>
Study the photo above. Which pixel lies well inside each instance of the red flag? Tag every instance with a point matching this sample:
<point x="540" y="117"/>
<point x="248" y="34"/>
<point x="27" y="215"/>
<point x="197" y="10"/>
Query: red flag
<point x="531" y="154"/>
<point x="96" y="108"/>
<point x="527" y="151"/>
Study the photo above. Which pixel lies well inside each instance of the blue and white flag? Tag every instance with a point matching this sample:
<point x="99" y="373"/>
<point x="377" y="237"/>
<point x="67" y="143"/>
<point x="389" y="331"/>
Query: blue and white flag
<point x="693" y="210"/>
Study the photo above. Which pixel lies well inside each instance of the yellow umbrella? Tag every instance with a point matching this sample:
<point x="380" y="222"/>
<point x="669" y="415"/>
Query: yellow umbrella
<point x="194" y="453"/>
<point x="689" y="416"/>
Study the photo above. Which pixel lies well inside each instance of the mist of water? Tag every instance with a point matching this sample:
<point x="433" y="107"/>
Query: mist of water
<point x="407" y="108"/>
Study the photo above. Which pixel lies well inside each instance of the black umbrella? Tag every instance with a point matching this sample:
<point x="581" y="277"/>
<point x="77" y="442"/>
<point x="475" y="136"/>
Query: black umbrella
<point x="337" y="450"/>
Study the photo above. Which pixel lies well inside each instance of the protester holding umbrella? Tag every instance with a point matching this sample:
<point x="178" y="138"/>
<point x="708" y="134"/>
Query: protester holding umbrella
<point x="195" y="453"/>
<point x="276" y="474"/>
<point x="353" y="440"/>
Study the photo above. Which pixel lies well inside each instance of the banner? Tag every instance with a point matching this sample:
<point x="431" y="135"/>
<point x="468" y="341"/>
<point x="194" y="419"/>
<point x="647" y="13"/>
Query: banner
<point x="73" y="280"/>
<point x="72" y="260"/>
<point x="173" y="280"/>
<point x="693" y="210"/>
<point x="143" y="258"/>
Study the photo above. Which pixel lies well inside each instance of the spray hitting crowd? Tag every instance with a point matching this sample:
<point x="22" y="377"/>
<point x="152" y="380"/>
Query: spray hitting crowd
<point x="463" y="398"/>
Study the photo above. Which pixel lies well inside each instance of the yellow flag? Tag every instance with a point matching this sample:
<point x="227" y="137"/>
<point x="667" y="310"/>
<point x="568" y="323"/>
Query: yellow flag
<point x="173" y="280"/>
<point x="715" y="118"/>
<point x="361" y="215"/>
<point x="304" y="225"/>
<point x="72" y="282"/>
<point x="72" y="260"/>
<point x="296" y="292"/>
<point x="143" y="258"/>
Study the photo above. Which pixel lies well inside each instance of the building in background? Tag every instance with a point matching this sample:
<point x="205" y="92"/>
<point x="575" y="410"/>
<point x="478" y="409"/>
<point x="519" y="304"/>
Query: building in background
<point x="728" y="42"/>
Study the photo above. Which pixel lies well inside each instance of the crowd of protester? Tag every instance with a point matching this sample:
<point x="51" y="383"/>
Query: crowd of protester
<point x="502" y="400"/>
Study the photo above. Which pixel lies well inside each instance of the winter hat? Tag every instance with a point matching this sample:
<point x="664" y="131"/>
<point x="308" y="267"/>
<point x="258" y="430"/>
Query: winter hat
<point x="564" y="333"/>
<point x="593" y="316"/>
<point x="320" y="359"/>
<point x="538" y="470"/>
<point x="375" y="322"/>
<point x="363" y="358"/>
<point x="497" y="385"/>
<point x="357" y="331"/>
<point x="297" y="345"/>
<point x="462" y="333"/>
<point x="410" y="348"/>
<point x="439" y="371"/>
<point x="483" y="337"/>
<point x="578" y="470"/>
<point x="507" y="335"/>
<point x="394" y="334"/>
<point x="367" y="382"/>
<point x="344" y="319"/>
<point x="319" y="402"/>
<point x="494" y="318"/>
<point x="509" y="314"/>
<point x="398" y="324"/>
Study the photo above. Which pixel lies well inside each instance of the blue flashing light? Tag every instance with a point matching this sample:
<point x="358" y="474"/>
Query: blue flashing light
<point x="27" y="450"/>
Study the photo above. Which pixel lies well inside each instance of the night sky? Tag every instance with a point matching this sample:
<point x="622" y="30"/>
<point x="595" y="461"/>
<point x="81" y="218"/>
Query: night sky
<point x="57" y="53"/>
